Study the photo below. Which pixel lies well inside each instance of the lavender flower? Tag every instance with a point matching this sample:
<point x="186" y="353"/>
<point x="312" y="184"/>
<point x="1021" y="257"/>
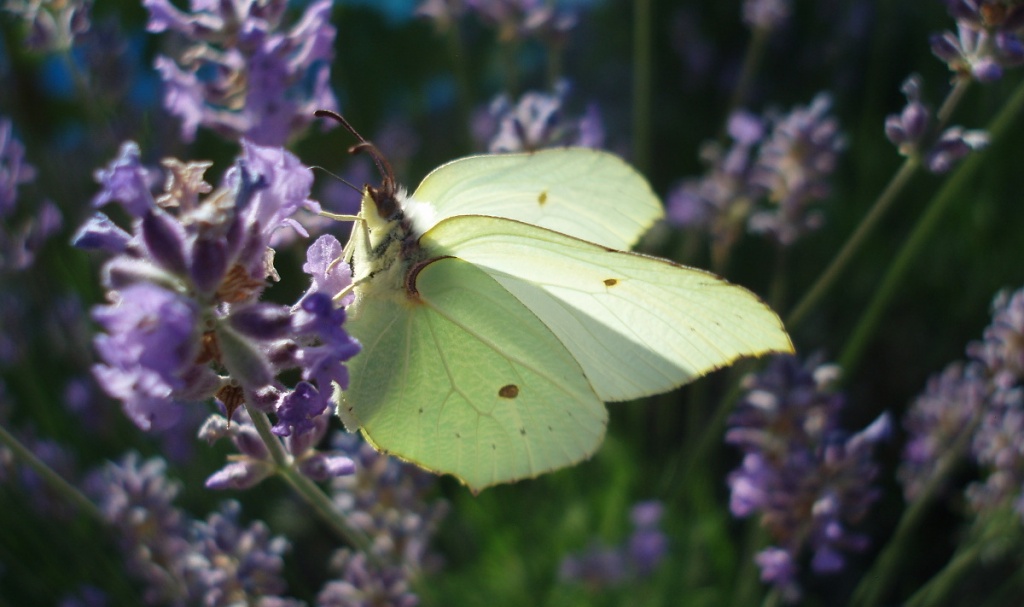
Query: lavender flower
<point x="987" y="39"/>
<point x="765" y="182"/>
<point x="254" y="463"/>
<point x="229" y="564"/>
<point x="185" y="286"/>
<point x="137" y="499"/>
<point x="14" y="171"/>
<point x="519" y="19"/>
<point x="938" y="420"/>
<point x="360" y="583"/>
<point x="20" y="242"/>
<point x="386" y="500"/>
<point x="51" y="26"/>
<point x="793" y="167"/>
<point x="910" y="130"/>
<point x="242" y="74"/>
<point x="183" y="561"/>
<point x="765" y="14"/>
<point x="599" y="566"/>
<point x="807" y="479"/>
<point x="537" y="121"/>
<point x="997" y="444"/>
<point x="721" y="201"/>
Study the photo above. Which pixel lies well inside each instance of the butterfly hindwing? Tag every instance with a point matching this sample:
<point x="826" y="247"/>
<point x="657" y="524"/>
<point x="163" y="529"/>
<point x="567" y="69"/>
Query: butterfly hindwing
<point x="466" y="380"/>
<point x="637" y="325"/>
<point x="582" y="192"/>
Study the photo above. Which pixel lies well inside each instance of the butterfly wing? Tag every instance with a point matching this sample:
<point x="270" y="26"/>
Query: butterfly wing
<point x="637" y="325"/>
<point x="582" y="192"/>
<point x="467" y="381"/>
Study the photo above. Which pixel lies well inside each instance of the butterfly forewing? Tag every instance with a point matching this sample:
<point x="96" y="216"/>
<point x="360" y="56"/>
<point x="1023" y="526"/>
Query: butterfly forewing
<point x="582" y="192"/>
<point x="637" y="325"/>
<point x="466" y="380"/>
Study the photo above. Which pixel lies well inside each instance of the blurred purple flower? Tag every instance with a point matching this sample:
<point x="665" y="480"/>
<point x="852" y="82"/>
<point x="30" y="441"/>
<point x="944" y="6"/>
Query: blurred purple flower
<point x="793" y="168"/>
<point x="765" y="14"/>
<point x="179" y="560"/>
<point x="136" y="498"/>
<point x="228" y="564"/>
<point x="241" y="73"/>
<point x="51" y="26"/>
<point x="599" y="566"/>
<point x="20" y="240"/>
<point x="912" y="128"/>
<point x="805" y="477"/>
<point x="14" y="171"/>
<point x="1001" y="349"/>
<point x="518" y="19"/>
<point x="720" y="201"/>
<point x="388" y="501"/>
<point x="997" y="444"/>
<point x="987" y="39"/>
<point x="537" y="121"/>
<point x="362" y="583"/>
<point x="937" y="420"/>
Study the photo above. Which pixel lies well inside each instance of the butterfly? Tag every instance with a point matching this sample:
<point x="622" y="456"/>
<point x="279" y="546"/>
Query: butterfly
<point x="499" y="308"/>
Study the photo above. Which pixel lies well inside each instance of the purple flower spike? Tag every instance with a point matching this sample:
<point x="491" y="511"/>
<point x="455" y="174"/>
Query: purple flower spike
<point x="537" y="121"/>
<point x="243" y="73"/>
<point x="987" y="39"/>
<point x="793" y="167"/>
<point x="937" y="420"/>
<point x="807" y="479"/>
<point x="14" y="171"/>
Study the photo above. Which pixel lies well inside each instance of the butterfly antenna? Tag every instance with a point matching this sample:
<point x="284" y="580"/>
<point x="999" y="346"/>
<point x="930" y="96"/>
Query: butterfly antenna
<point x="387" y="174"/>
<point x="341" y="179"/>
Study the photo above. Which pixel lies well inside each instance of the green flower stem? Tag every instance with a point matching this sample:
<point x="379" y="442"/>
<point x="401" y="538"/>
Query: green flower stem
<point x="51" y="478"/>
<point x="914" y="244"/>
<point x="853" y="244"/>
<point x="307" y="489"/>
<point x="952" y="100"/>
<point x="642" y="84"/>
<point x="751" y="63"/>
<point x="881" y="206"/>
<point x="875" y="582"/>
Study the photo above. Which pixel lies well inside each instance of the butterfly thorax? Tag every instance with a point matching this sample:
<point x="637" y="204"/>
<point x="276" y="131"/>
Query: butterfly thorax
<point x="383" y="260"/>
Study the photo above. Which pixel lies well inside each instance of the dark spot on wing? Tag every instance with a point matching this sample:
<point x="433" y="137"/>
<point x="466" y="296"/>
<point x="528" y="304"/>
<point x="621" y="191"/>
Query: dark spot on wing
<point x="509" y="391"/>
<point x="493" y="447"/>
<point x="457" y="435"/>
<point x="542" y="198"/>
<point x="421" y="410"/>
<point x="610" y="282"/>
<point x="522" y="431"/>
